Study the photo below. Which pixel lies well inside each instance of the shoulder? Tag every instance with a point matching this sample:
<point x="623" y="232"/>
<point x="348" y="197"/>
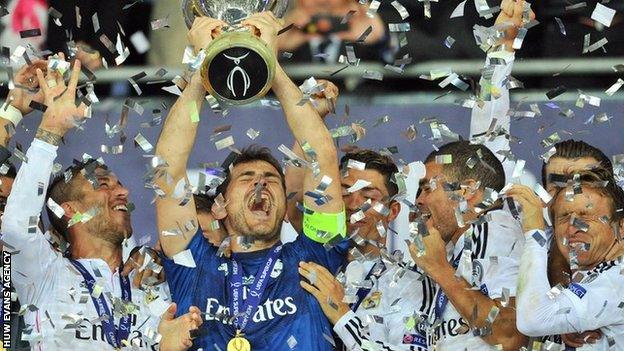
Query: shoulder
<point x="499" y="234"/>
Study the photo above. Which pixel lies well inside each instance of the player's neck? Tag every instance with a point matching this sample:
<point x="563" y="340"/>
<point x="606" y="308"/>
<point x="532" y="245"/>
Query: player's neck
<point x="87" y="246"/>
<point x="251" y="247"/>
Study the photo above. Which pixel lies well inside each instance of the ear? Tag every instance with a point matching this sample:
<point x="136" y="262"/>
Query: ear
<point x="70" y="209"/>
<point x="218" y="212"/>
<point x="468" y="192"/>
<point x="395" y="208"/>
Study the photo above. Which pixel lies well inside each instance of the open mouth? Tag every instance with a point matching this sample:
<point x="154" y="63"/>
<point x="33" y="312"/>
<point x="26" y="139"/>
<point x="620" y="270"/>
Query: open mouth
<point x="260" y="204"/>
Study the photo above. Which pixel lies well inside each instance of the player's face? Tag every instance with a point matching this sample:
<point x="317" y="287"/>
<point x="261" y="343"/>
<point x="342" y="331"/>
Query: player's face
<point x="434" y="202"/>
<point x="110" y="198"/>
<point x="567" y="166"/>
<point x="375" y="193"/>
<point x="256" y="201"/>
<point x="583" y="227"/>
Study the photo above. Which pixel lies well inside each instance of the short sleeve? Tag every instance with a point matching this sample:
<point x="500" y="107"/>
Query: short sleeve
<point x="181" y="279"/>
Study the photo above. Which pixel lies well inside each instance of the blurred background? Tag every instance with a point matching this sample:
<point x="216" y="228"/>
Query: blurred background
<point x="133" y="51"/>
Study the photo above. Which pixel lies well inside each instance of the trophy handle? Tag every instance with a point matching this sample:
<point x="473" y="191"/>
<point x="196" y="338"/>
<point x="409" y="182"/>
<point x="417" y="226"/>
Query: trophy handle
<point x="191" y="9"/>
<point x="239" y="67"/>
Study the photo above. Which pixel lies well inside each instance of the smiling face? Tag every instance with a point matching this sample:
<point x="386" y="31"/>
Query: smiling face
<point x="592" y="236"/>
<point x="256" y="201"/>
<point x="376" y="192"/>
<point x="434" y="203"/>
<point x="112" y="222"/>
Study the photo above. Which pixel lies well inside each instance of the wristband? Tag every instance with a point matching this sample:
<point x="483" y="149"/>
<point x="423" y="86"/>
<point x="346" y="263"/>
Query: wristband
<point x="323" y="227"/>
<point x="11" y="114"/>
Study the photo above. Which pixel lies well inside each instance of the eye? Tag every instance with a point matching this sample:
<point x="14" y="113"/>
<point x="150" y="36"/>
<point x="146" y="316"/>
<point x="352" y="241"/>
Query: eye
<point x="104" y="185"/>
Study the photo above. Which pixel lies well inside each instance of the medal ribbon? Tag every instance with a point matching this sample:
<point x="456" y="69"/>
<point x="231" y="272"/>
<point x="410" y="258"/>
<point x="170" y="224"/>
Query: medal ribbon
<point x="363" y="292"/>
<point x="114" y="335"/>
<point x="261" y="281"/>
<point x="441" y="300"/>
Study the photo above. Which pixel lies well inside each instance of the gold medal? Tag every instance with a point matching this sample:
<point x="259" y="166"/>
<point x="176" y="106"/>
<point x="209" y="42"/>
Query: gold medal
<point x="372" y="300"/>
<point x="238" y="343"/>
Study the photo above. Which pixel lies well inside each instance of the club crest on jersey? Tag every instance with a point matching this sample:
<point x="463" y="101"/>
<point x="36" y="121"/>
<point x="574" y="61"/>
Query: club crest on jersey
<point x="277" y="269"/>
<point x="477" y="271"/>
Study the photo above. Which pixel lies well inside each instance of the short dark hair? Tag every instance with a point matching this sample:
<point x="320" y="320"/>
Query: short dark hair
<point x="248" y="154"/>
<point x="572" y="149"/>
<point x="62" y="191"/>
<point x="376" y="161"/>
<point x="486" y="167"/>
<point x="203" y="203"/>
<point x="595" y="179"/>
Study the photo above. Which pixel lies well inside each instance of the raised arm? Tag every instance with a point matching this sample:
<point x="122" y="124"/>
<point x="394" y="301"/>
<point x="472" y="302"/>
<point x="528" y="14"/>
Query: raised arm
<point x="324" y="103"/>
<point x="19" y="227"/>
<point x="175" y="145"/>
<point x="493" y="89"/>
<point x="305" y="124"/>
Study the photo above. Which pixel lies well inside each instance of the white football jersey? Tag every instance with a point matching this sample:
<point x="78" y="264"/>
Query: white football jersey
<point x="400" y="294"/>
<point x="59" y="311"/>
<point x="489" y="260"/>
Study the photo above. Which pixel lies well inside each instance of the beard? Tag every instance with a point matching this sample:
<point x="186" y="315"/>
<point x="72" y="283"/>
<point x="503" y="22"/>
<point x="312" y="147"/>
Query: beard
<point x="264" y="233"/>
<point x="104" y="227"/>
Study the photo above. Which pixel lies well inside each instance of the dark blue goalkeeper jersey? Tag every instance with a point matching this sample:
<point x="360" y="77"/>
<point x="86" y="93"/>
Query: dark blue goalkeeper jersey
<point x="288" y="318"/>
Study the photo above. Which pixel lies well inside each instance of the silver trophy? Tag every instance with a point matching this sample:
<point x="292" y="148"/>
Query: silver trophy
<point x="238" y="67"/>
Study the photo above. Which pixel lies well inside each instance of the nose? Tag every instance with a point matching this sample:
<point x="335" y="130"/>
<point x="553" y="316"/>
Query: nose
<point x="353" y="201"/>
<point x="260" y="182"/>
<point x="121" y="191"/>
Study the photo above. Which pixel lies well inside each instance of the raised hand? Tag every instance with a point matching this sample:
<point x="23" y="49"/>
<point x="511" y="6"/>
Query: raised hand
<point x="512" y="13"/>
<point x="325" y="288"/>
<point x="266" y="26"/>
<point x="434" y="255"/>
<point x="61" y="113"/>
<point x="203" y="31"/>
<point x="325" y="101"/>
<point x="532" y="207"/>
<point x="177" y="332"/>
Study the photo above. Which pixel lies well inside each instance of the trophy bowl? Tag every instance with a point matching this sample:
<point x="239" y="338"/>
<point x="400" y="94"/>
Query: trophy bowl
<point x="238" y="67"/>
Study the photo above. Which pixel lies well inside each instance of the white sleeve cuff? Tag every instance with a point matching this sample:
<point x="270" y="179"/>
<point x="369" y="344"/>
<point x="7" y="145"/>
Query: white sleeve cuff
<point x="347" y="337"/>
<point x="42" y="145"/>
<point x="11" y="114"/>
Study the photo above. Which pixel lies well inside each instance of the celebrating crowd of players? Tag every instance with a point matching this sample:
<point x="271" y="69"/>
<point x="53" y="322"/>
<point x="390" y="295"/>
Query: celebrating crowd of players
<point x="492" y="265"/>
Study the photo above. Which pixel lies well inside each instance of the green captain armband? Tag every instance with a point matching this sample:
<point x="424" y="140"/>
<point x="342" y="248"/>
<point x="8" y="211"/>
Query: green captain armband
<point x="323" y="227"/>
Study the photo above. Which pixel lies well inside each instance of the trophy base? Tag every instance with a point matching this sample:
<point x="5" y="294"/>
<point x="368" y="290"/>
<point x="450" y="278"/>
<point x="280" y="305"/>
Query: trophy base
<point x="238" y="68"/>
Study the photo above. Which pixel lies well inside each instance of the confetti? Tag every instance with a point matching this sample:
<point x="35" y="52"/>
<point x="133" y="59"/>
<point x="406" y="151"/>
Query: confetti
<point x="399" y="27"/>
<point x="358" y="185"/>
<point x="252" y="133"/>
<point x="603" y="14"/>
<point x="140" y="141"/>
<point x="615" y="87"/>
<point x="225" y="142"/>
<point x="140" y="42"/>
<point x="400" y="9"/>
<point x="561" y="26"/>
<point x="29" y="33"/>
<point x="553" y="93"/>
<point x="184" y="258"/>
<point x="459" y="10"/>
<point x="160" y="23"/>
<point x="449" y="41"/>
<point x="444" y="159"/>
